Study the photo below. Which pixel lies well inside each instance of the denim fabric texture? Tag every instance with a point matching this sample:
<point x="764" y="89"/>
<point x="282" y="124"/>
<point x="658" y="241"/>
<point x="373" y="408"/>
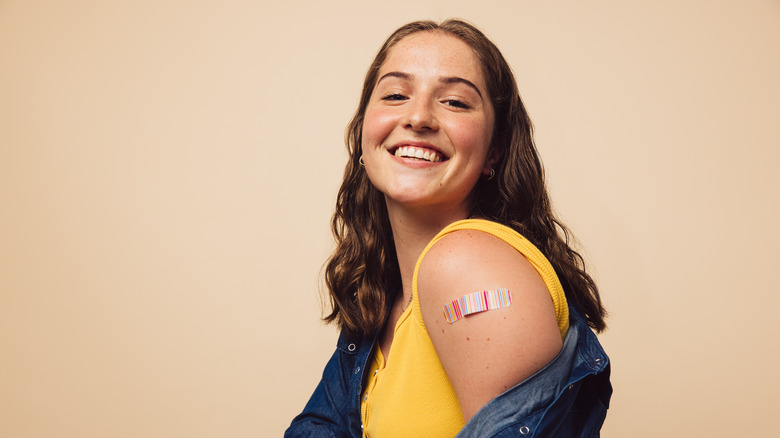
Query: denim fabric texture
<point x="568" y="398"/>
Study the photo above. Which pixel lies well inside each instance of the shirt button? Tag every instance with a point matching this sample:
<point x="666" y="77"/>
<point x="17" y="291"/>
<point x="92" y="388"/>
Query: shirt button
<point x="524" y="430"/>
<point x="351" y="347"/>
<point x="376" y="371"/>
<point x="357" y="370"/>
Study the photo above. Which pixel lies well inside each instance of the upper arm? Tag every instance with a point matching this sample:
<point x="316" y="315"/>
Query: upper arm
<point x="486" y="353"/>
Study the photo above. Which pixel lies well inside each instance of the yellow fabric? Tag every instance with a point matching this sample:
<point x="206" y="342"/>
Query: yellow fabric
<point x="411" y="395"/>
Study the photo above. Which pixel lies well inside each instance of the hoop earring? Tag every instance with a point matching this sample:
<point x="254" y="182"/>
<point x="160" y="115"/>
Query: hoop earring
<point x="492" y="174"/>
<point x="360" y="160"/>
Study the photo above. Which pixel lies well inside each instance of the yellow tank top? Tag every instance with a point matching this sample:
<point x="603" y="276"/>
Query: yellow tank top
<point x="411" y="396"/>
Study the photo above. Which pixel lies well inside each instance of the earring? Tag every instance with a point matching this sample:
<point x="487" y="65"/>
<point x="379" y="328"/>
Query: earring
<point x="360" y="160"/>
<point x="492" y="174"/>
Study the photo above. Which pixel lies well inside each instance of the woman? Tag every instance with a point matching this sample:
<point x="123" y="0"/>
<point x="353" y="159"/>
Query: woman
<point x="443" y="212"/>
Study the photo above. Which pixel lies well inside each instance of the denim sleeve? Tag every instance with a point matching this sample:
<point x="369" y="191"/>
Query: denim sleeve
<point x="567" y="398"/>
<point x="332" y="411"/>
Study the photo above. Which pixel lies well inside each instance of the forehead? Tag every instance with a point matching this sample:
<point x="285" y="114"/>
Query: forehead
<point x="434" y="53"/>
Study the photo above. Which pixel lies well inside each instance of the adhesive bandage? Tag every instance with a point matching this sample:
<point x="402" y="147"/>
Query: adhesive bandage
<point x="476" y="302"/>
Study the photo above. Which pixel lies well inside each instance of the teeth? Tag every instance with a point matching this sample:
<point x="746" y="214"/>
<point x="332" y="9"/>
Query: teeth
<point x="413" y="152"/>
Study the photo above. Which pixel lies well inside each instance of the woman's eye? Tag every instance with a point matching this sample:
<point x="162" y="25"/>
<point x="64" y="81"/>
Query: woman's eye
<point x="456" y="103"/>
<point x="395" y="96"/>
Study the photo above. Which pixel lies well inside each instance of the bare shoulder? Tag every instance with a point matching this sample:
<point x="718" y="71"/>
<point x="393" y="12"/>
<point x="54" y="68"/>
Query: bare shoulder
<point x="486" y="353"/>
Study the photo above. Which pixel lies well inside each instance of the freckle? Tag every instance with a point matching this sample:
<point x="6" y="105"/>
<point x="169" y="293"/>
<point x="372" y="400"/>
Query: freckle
<point x="488" y="339"/>
<point x="506" y="387"/>
<point x="505" y="317"/>
<point x="442" y="330"/>
<point x="487" y="367"/>
<point x="467" y="338"/>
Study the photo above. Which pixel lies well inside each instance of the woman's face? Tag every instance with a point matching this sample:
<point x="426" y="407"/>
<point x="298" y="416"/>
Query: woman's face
<point x="428" y="124"/>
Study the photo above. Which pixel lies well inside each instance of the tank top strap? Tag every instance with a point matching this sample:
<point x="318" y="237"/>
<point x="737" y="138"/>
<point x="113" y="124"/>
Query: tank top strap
<point x="522" y="245"/>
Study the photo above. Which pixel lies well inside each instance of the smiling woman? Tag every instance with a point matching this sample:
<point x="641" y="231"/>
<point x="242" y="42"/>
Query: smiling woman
<point x="443" y="211"/>
<point x="428" y="102"/>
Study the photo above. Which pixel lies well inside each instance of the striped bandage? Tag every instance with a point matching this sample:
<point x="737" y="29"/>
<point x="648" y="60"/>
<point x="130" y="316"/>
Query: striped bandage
<point x="476" y="302"/>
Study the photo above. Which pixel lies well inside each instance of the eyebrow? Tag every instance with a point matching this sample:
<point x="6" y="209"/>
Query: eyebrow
<point x="445" y="80"/>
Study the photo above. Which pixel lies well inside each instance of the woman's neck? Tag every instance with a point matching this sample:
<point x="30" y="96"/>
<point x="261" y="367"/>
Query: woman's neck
<point x="412" y="230"/>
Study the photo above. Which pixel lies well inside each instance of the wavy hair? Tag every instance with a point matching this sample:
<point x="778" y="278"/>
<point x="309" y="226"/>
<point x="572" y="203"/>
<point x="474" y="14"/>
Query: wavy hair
<point x="362" y="274"/>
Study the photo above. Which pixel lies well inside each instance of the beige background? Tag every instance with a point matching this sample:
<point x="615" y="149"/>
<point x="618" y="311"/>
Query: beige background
<point x="168" y="170"/>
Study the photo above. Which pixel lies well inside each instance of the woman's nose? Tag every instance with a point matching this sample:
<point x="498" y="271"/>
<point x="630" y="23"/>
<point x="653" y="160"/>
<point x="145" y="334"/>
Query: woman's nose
<point x="420" y="116"/>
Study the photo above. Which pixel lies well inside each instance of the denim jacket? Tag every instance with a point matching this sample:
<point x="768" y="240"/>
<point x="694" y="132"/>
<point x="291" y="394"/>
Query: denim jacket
<point x="568" y="398"/>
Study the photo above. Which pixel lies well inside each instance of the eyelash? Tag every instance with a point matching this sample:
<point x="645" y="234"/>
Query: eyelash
<point x="457" y="103"/>
<point x="394" y="96"/>
<point x="451" y="102"/>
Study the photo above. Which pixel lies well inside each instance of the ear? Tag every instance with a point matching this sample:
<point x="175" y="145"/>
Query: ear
<point x="492" y="159"/>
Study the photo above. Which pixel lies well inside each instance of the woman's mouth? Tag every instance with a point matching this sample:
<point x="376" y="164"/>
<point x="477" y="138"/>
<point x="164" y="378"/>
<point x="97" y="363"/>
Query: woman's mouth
<point x="418" y="153"/>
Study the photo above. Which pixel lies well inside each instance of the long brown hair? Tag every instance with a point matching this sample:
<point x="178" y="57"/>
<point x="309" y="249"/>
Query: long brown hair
<point x="362" y="275"/>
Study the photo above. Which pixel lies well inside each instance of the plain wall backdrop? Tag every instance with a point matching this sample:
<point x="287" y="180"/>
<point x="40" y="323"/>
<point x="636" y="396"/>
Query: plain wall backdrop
<point x="168" y="171"/>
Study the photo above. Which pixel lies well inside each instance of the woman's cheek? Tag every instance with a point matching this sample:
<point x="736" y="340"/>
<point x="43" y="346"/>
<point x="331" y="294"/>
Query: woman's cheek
<point x="469" y="133"/>
<point x="377" y="125"/>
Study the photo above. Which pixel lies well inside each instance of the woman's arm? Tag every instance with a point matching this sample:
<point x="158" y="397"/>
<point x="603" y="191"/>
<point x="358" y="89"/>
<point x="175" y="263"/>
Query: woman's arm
<point x="486" y="353"/>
